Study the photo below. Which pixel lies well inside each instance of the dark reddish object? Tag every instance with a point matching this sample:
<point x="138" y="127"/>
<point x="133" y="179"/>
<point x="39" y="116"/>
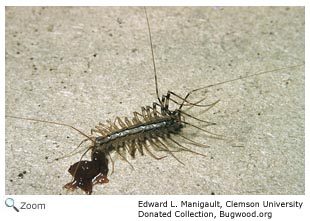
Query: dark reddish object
<point x="88" y="173"/>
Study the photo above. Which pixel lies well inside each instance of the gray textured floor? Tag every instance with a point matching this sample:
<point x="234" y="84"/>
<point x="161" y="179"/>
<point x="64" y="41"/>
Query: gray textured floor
<point x="84" y="65"/>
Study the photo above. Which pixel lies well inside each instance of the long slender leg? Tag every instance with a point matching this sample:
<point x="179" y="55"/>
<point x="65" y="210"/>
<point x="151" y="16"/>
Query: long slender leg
<point x="113" y="125"/>
<point x="99" y="130"/>
<point x="217" y="136"/>
<point x="93" y="131"/>
<point x="156" y="112"/>
<point x="105" y="128"/>
<point x="128" y="148"/>
<point x="187" y="101"/>
<point x="196" y="103"/>
<point x="169" y="151"/>
<point x="120" y="122"/>
<point x="162" y="106"/>
<point x="150" y="152"/>
<point x="132" y="149"/>
<point x="211" y="106"/>
<point x="209" y="123"/>
<point x="112" y="162"/>
<point x="117" y="151"/>
<point x="166" y="104"/>
<point x="185" y="148"/>
<point x="194" y="142"/>
<point x="139" y="146"/>
<point x="135" y="118"/>
<point x="144" y="114"/>
<point x="128" y="122"/>
<point x="148" y="112"/>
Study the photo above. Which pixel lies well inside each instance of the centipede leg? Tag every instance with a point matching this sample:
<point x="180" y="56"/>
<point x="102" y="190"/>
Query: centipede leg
<point x="128" y="122"/>
<point x="185" y="100"/>
<point x="124" y="158"/>
<point x="120" y="122"/>
<point x="188" y="115"/>
<point x="167" y="150"/>
<point x="136" y="119"/>
<point x="112" y="162"/>
<point x="156" y="112"/>
<point x="216" y="136"/>
<point x="150" y="152"/>
<point x="185" y="148"/>
<point x="113" y="126"/>
<point x="139" y="146"/>
<point x="194" y="142"/>
<point x="144" y="114"/>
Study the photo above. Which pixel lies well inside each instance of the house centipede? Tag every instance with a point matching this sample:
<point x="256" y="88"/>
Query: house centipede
<point x="148" y="128"/>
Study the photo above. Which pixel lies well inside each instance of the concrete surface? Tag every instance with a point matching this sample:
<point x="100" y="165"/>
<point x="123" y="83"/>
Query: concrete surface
<point x="82" y="65"/>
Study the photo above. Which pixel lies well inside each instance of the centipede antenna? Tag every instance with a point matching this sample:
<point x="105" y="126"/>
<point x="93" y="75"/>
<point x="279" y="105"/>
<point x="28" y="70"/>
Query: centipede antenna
<point x="239" y="78"/>
<point x="153" y="58"/>
<point x="72" y="153"/>
<point x="50" y="122"/>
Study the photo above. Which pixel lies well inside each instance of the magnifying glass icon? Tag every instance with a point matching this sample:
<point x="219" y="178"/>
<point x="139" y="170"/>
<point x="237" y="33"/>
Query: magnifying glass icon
<point x="9" y="202"/>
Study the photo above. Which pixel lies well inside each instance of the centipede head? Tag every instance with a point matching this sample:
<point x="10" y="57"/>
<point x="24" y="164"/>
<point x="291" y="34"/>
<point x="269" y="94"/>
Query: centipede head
<point x="176" y="121"/>
<point x="88" y="173"/>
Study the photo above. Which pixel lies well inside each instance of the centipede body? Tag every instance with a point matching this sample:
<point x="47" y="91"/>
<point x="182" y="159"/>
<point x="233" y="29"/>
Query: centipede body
<point x="82" y="100"/>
